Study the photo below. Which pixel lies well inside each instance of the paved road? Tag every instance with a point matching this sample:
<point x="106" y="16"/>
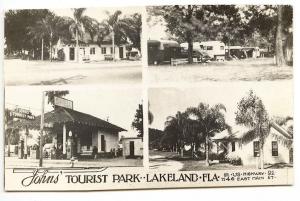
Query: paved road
<point x="20" y="72"/>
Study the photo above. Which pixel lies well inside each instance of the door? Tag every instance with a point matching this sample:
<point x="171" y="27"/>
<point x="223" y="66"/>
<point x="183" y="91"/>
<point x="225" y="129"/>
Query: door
<point x="103" y="143"/>
<point x="121" y="52"/>
<point x="72" y="53"/>
<point x="131" y="148"/>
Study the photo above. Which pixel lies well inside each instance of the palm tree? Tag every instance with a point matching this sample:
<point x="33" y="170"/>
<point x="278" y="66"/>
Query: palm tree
<point x="177" y="130"/>
<point x="80" y="24"/>
<point x="45" y="29"/>
<point x="113" y="26"/>
<point x="132" y="27"/>
<point x="210" y="120"/>
<point x="252" y="114"/>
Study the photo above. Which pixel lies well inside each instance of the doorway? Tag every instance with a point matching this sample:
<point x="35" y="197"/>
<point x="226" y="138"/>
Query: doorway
<point x="102" y="143"/>
<point x="131" y="148"/>
<point x="121" y="52"/>
<point x="72" y="53"/>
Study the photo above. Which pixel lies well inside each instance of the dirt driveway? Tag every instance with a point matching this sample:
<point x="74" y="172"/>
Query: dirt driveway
<point x="261" y="69"/>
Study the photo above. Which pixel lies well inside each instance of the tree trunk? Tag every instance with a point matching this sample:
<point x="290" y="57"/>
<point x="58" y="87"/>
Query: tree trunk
<point x="192" y="149"/>
<point x="51" y="46"/>
<point x="280" y="60"/>
<point x="206" y="151"/>
<point x="42" y="54"/>
<point x="77" y="46"/>
<point x="113" y="45"/>
<point x="181" y="151"/>
<point x="261" y="155"/>
<point x="190" y="50"/>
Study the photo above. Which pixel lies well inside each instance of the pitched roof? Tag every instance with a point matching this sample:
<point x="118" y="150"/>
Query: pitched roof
<point x="238" y="132"/>
<point x="64" y="115"/>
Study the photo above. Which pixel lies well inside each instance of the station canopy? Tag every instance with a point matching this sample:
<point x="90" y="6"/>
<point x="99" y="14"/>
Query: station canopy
<point x="62" y="115"/>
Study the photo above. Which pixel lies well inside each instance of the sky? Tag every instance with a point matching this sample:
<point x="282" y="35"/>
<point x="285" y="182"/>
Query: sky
<point x="99" y="13"/>
<point x="118" y="104"/>
<point x="277" y="97"/>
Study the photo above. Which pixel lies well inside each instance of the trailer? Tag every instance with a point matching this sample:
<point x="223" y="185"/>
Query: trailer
<point x="162" y="51"/>
<point x="215" y="49"/>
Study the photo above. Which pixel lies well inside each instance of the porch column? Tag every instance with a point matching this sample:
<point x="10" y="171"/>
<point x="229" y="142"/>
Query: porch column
<point x="64" y="139"/>
<point x="25" y="143"/>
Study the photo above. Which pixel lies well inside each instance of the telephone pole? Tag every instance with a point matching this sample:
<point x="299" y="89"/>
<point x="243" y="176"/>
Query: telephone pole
<point x="41" y="131"/>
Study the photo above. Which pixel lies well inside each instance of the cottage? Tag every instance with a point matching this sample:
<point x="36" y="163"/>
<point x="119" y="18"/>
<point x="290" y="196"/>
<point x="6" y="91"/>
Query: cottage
<point x="132" y="147"/>
<point x="275" y="150"/>
<point x="75" y="133"/>
<point x="89" y="50"/>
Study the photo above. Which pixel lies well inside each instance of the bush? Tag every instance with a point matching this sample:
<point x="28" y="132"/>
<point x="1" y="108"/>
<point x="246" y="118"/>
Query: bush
<point x="234" y="159"/>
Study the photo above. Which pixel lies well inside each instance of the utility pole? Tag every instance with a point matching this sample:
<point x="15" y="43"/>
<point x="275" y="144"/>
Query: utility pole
<point x="41" y="131"/>
<point x="113" y="44"/>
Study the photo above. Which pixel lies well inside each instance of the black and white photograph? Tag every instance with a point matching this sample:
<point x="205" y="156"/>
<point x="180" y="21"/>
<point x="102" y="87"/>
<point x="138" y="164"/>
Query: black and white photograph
<point x="72" y="46"/>
<point x="76" y="128"/>
<point x="148" y="96"/>
<point x="228" y="127"/>
<point x="193" y="43"/>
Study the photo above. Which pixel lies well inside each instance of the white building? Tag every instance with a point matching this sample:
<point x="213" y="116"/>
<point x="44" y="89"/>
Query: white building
<point x="275" y="149"/>
<point x="132" y="147"/>
<point x="88" y="50"/>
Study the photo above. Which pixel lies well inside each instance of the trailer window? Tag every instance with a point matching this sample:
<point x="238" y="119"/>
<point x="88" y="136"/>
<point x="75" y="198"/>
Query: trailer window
<point x="209" y="48"/>
<point x="274" y="148"/>
<point x="221" y="47"/>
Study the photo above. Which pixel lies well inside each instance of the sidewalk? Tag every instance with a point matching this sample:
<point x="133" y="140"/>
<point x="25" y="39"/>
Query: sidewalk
<point x="14" y="162"/>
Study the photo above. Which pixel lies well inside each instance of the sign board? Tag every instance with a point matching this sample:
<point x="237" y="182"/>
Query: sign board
<point x="62" y="102"/>
<point x="21" y="114"/>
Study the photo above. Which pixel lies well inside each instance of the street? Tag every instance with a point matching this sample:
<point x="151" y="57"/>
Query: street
<point x="21" y="72"/>
<point x="14" y="162"/>
<point x="261" y="69"/>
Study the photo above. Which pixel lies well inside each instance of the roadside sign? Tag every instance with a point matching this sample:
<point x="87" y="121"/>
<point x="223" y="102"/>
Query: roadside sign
<point x="21" y="114"/>
<point x="62" y="102"/>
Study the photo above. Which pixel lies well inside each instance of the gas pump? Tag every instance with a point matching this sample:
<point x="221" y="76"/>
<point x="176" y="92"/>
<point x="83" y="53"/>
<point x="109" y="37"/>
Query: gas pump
<point x="21" y="149"/>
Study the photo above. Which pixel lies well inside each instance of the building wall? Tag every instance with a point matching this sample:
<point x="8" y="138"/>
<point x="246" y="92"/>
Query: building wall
<point x="85" y="52"/>
<point x="138" y="146"/>
<point x="246" y="152"/>
<point x="111" y="140"/>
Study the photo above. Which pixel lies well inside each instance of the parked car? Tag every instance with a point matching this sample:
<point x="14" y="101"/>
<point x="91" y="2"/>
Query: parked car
<point x="200" y="55"/>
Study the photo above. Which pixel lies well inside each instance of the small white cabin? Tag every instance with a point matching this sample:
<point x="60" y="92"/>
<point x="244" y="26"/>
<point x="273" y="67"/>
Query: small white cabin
<point x="275" y="150"/>
<point x="132" y="147"/>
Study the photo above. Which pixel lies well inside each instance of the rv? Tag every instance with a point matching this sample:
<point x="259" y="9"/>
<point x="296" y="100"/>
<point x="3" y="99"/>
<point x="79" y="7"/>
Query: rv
<point x="215" y="49"/>
<point x="161" y="51"/>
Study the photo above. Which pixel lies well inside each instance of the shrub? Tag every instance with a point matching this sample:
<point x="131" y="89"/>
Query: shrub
<point x="234" y="159"/>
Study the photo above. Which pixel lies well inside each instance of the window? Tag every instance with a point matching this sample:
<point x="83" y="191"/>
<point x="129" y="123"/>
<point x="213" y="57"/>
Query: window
<point x="233" y="146"/>
<point x="274" y="148"/>
<point x="221" y="47"/>
<point x="209" y="48"/>
<point x="111" y="50"/>
<point x="92" y="50"/>
<point x="103" y="50"/>
<point x="256" y="148"/>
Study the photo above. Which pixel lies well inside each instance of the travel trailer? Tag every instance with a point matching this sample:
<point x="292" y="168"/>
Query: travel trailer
<point x="215" y="49"/>
<point x="161" y="51"/>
